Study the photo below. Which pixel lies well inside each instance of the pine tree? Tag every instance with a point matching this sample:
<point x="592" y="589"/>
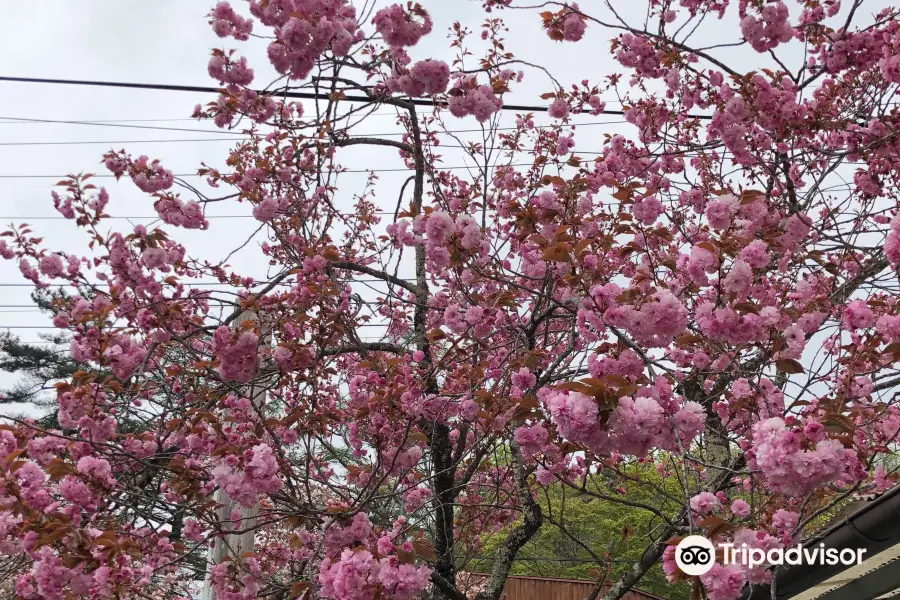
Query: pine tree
<point x="38" y="364"/>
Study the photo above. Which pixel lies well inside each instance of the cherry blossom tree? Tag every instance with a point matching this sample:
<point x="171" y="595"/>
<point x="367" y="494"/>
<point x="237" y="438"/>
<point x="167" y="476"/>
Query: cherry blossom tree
<point x="713" y="294"/>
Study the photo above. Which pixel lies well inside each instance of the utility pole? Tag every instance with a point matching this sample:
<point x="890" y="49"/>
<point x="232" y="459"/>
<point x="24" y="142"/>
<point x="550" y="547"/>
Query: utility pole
<point x="234" y="544"/>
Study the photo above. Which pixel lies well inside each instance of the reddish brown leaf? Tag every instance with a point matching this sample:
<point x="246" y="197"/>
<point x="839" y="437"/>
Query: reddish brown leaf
<point x="616" y="380"/>
<point x="528" y="402"/>
<point x="711" y="521"/>
<point x="435" y="334"/>
<point x="747" y="307"/>
<point x="424" y="549"/>
<point x="575" y="386"/>
<point x="623" y="194"/>
<point x="789" y="366"/>
<point x="57" y="468"/>
<point x="837" y="422"/>
<point x="582" y="245"/>
<point x="557" y="253"/>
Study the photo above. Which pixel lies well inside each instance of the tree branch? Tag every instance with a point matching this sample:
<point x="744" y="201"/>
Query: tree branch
<point x="363" y="348"/>
<point x="519" y="536"/>
<point x="351" y="266"/>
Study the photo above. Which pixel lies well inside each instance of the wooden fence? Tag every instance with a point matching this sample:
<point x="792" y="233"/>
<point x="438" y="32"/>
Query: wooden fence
<point x="541" y="588"/>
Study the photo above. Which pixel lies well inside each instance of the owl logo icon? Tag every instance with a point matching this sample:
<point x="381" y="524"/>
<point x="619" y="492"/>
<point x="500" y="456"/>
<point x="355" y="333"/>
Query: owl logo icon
<point x="695" y="555"/>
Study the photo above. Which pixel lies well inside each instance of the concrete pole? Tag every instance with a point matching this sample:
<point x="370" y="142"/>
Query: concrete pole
<point x="233" y="545"/>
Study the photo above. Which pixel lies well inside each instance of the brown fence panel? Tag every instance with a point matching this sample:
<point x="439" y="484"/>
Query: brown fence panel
<point x="540" y="588"/>
<point x="544" y="589"/>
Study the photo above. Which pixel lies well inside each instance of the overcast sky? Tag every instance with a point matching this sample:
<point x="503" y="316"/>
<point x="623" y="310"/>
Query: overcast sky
<point x="168" y="41"/>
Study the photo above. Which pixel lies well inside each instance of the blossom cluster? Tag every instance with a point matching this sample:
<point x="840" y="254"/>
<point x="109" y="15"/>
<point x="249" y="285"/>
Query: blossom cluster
<point x="400" y="27"/>
<point x="652" y="419"/>
<point x="768" y="30"/>
<point x="469" y="98"/>
<point x="778" y="453"/>
<point x="425" y="77"/>
<point x="305" y="30"/>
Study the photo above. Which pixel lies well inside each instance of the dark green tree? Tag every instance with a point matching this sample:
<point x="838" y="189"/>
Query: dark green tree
<point x="596" y="539"/>
<point x="38" y="365"/>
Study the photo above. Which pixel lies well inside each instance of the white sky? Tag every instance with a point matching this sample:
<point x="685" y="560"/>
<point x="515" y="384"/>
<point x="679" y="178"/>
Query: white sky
<point x="168" y="42"/>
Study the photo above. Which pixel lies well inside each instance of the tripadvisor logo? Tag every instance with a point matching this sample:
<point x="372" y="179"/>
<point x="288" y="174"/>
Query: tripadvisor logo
<point x="695" y="555"/>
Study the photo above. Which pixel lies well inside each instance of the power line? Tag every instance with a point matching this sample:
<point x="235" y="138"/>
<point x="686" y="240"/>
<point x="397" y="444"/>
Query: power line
<point x="35" y="306"/>
<point x="210" y="302"/>
<point x="144" y="217"/>
<point x="386" y="134"/>
<point x="157" y="120"/>
<point x="91" y="142"/>
<point x="50" y="326"/>
<point x="280" y="94"/>
<point x="359" y="114"/>
<point x="105" y="284"/>
<point x="56" y="217"/>
<point x="842" y="186"/>
<point x="123" y="125"/>
<point x="392" y="133"/>
<point x="392" y="170"/>
<point x="193" y="283"/>
<point x="42" y="342"/>
<point x="156" y="217"/>
<point x="173" y="119"/>
<point x="724" y="153"/>
<point x="214" y="90"/>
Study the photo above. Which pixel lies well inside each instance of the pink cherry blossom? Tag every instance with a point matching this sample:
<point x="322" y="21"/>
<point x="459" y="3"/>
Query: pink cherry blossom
<point x="225" y="22"/>
<point x="785" y="520"/>
<point x="559" y="109"/>
<point x="724" y="582"/>
<point x="768" y="30"/>
<point x="787" y="467"/>
<point x="401" y="28"/>
<point x="739" y="277"/>
<point x="740" y="508"/>
<point x="858" y="316"/>
<point x="719" y="212"/>
<point x="704" y="503"/>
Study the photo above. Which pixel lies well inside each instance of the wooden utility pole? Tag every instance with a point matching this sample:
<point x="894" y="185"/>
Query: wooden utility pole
<point x="233" y="545"/>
